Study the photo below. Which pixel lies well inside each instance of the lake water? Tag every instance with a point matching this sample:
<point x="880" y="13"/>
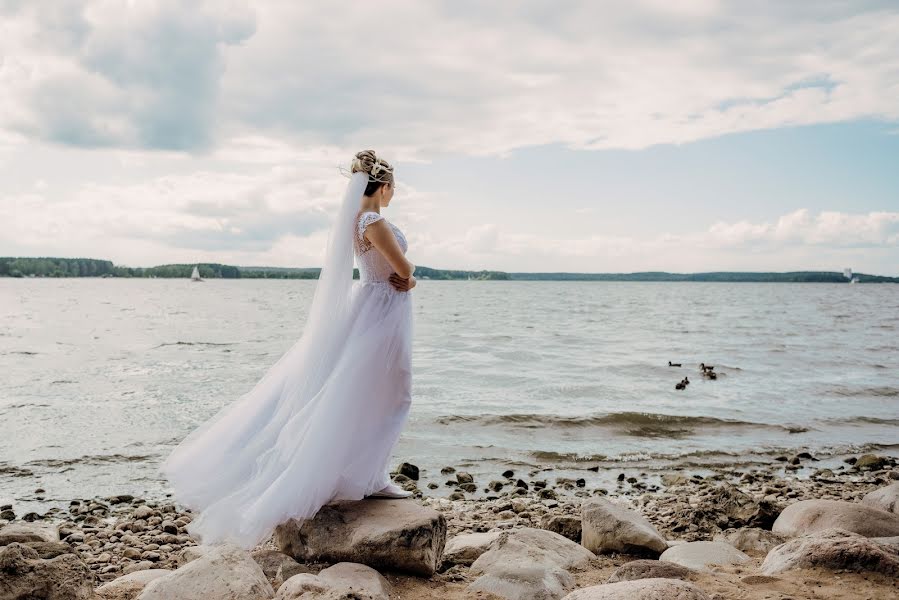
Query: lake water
<point x="102" y="377"/>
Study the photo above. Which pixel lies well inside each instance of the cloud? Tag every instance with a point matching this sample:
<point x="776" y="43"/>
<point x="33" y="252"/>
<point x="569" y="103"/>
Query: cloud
<point x="801" y="227"/>
<point x="436" y="77"/>
<point x="797" y="240"/>
<point x="126" y="75"/>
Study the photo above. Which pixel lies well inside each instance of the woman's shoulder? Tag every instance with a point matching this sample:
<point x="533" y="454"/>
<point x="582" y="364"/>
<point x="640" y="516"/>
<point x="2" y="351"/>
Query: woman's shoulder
<point x="367" y="217"/>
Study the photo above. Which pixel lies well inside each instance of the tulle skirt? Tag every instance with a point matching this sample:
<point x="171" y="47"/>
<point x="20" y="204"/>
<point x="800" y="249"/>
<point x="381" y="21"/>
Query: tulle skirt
<point x="321" y="425"/>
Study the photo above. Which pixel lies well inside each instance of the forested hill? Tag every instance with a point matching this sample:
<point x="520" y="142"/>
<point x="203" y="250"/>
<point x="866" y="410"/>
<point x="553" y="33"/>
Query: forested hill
<point x="91" y="267"/>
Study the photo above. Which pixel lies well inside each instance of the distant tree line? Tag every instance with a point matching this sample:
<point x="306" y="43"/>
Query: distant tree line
<point x="91" y="267"/>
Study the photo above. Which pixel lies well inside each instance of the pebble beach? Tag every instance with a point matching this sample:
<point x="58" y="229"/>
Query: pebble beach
<point x="113" y="537"/>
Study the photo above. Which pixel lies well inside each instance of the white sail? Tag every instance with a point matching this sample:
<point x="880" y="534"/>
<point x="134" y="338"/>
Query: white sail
<point x="195" y="276"/>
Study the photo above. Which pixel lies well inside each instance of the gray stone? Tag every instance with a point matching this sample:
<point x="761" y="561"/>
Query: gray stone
<point x="528" y="564"/>
<point x="885" y="498"/>
<point x="25" y="575"/>
<point x="647" y="568"/>
<point x="809" y="516"/>
<point x="751" y="540"/>
<point x="609" y="527"/>
<point x="465" y="548"/>
<point x="700" y="555"/>
<point x="224" y="572"/>
<point x="190" y="553"/>
<point x="129" y="586"/>
<point x="273" y="561"/>
<point x="833" y="549"/>
<point x="28" y="532"/>
<point x="343" y="580"/>
<point x="570" y="527"/>
<point x="641" y="589"/>
<point x="398" y="535"/>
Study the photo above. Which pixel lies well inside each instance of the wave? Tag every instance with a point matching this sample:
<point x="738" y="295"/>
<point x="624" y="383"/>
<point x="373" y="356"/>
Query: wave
<point x="179" y="343"/>
<point x="96" y="459"/>
<point x="860" y="419"/>
<point x="625" y="419"/>
<point x="878" y="391"/>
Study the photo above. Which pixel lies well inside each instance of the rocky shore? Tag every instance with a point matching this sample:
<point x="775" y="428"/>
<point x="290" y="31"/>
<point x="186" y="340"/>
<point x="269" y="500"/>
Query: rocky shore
<point x="754" y="532"/>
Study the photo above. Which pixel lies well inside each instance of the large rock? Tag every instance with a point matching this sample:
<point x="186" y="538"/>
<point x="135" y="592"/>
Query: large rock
<point x="565" y="525"/>
<point x="277" y="566"/>
<point x="700" y="555"/>
<point x="608" y="527"/>
<point x="646" y="569"/>
<point x="751" y="540"/>
<point x="465" y="548"/>
<point x="191" y="553"/>
<point x="809" y="516"/>
<point x="28" y="532"/>
<point x="641" y="589"/>
<point x="343" y="580"/>
<point x="398" y="535"/>
<point x="528" y="564"/>
<point x="833" y="549"/>
<point x="223" y="572"/>
<point x="129" y="586"/>
<point x="885" y="498"/>
<point x="23" y="574"/>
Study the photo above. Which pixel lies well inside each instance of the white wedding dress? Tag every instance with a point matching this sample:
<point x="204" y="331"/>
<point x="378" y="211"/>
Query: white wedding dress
<point x="321" y="425"/>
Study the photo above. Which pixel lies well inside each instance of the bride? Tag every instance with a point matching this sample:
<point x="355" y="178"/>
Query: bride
<point x="322" y="423"/>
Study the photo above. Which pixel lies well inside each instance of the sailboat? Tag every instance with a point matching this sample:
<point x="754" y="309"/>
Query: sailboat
<point x="195" y="276"/>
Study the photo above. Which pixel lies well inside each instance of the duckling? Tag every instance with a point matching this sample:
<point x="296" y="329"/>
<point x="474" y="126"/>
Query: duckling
<point x="680" y="385"/>
<point x="709" y="374"/>
<point x="686" y="381"/>
<point x="705" y="367"/>
<point x="671" y="364"/>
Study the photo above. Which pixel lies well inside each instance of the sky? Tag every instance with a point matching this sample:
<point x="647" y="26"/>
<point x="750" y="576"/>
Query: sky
<point x="573" y="136"/>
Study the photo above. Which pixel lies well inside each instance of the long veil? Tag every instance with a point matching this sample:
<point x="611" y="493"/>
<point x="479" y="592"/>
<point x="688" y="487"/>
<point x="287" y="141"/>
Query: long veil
<point x="221" y="468"/>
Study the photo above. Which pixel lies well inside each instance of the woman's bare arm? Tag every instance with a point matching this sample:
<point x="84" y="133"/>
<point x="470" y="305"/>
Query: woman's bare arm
<point x="382" y="238"/>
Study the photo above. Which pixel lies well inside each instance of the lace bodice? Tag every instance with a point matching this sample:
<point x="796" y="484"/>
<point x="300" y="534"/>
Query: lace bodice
<point x="372" y="264"/>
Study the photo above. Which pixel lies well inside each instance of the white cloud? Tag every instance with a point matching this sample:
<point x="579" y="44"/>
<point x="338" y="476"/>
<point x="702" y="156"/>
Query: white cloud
<point x="433" y="77"/>
<point x="796" y="241"/>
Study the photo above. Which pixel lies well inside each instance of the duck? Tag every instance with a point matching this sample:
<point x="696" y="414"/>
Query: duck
<point x="680" y="385"/>
<point x="706" y="367"/>
<point x="686" y="381"/>
<point x="671" y="364"/>
<point x="709" y="374"/>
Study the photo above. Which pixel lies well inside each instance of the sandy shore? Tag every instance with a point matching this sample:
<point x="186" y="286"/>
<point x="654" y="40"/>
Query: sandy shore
<point x="113" y="534"/>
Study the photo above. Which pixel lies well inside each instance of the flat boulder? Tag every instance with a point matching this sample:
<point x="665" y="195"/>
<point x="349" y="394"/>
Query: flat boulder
<point x="609" y="527"/>
<point x="751" y="540"/>
<point x="885" y="498"/>
<point x="833" y="549"/>
<point x="23" y="574"/>
<point x="343" y="580"/>
<point x="129" y="586"/>
<point x="641" y="589"/>
<point x="649" y="569"/>
<point x="701" y="555"/>
<point x="399" y="535"/>
<point x="465" y="548"/>
<point x="809" y="516"/>
<point x="528" y="564"/>
<point x="224" y="572"/>
<point x="28" y="532"/>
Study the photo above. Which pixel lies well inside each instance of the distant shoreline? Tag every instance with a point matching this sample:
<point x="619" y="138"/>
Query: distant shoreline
<point x="90" y="267"/>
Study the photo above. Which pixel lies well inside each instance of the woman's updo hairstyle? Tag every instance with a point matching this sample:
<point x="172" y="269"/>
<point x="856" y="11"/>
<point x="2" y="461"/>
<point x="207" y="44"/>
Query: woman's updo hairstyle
<point x="379" y="170"/>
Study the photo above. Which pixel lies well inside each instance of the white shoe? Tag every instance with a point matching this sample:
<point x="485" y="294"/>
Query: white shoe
<point x="391" y="491"/>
